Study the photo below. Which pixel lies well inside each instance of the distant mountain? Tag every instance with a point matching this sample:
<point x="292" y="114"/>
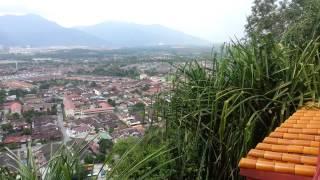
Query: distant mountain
<point x="36" y="31"/>
<point x="129" y="34"/>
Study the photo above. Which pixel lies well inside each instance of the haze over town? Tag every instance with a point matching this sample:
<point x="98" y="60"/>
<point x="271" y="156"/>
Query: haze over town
<point x="212" y="20"/>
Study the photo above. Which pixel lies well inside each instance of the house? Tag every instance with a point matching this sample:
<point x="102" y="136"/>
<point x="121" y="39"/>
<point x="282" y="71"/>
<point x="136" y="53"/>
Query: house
<point x="124" y="133"/>
<point x="20" y="125"/>
<point x="16" y="139"/>
<point x="45" y="128"/>
<point x="132" y="120"/>
<point x="69" y="107"/>
<point x="290" y="152"/>
<point x="32" y="102"/>
<point x="143" y="76"/>
<point x="102" y="107"/>
<point x="80" y="131"/>
<point x="12" y="107"/>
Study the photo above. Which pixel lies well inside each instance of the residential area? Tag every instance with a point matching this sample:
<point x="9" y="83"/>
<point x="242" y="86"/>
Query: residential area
<point x="47" y="106"/>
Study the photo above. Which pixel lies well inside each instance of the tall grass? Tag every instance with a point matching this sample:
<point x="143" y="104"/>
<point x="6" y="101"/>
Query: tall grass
<point x="65" y="163"/>
<point x="216" y="114"/>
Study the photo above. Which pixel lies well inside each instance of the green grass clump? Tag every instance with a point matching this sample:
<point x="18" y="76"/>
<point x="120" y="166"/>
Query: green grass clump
<point x="216" y="114"/>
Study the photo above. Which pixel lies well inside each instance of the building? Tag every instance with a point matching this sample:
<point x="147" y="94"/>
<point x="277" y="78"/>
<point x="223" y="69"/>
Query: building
<point x="32" y="102"/>
<point x="69" y="107"/>
<point x="12" y="107"/>
<point x="16" y="139"/>
<point x="46" y="128"/>
<point x="102" y="107"/>
<point x="80" y="131"/>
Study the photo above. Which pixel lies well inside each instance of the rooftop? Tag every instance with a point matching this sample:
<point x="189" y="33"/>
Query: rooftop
<point x="290" y="152"/>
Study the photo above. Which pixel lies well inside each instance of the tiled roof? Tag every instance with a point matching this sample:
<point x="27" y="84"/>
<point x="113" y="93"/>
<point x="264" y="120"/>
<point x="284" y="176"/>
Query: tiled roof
<point x="68" y="104"/>
<point x="293" y="148"/>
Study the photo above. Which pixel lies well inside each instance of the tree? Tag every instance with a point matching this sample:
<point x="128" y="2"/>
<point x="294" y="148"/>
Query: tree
<point x="100" y="158"/>
<point x="88" y="159"/>
<point x="44" y="85"/>
<point x="104" y="145"/>
<point x="112" y="102"/>
<point x="261" y="21"/>
<point x="53" y="110"/>
<point x="2" y="96"/>
<point x="29" y="120"/>
<point x="26" y="131"/>
<point x="93" y="84"/>
<point x="15" y="116"/>
<point x="7" y="127"/>
<point x="303" y="17"/>
<point x="295" y="22"/>
<point x="18" y="92"/>
<point x="145" y="87"/>
<point x="139" y="107"/>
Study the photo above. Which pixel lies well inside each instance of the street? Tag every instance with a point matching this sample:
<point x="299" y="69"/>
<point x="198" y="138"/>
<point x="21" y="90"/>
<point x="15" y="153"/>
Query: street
<point x="61" y="124"/>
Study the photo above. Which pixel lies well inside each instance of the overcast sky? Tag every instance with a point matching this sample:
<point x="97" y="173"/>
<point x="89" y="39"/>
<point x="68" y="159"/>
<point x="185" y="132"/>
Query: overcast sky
<point x="214" y="20"/>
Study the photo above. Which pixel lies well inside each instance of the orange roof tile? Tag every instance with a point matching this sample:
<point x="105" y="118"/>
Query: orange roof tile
<point x="293" y="148"/>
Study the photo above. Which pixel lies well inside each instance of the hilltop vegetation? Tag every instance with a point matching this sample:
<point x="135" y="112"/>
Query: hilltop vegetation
<point x="216" y="114"/>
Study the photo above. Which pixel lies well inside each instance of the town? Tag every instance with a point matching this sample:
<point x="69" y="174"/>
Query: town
<point x="47" y="102"/>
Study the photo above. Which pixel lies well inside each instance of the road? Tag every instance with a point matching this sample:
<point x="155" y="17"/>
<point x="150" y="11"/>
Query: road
<point x="61" y="124"/>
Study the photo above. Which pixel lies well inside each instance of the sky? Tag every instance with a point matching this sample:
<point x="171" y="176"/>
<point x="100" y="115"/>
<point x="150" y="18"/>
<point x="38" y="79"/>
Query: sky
<point x="213" y="20"/>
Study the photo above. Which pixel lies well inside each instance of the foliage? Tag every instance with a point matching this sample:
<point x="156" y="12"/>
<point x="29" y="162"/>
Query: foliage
<point x="44" y="85"/>
<point x="29" y="115"/>
<point x="145" y="87"/>
<point x="100" y="158"/>
<point x="26" y="171"/>
<point x="138" y="107"/>
<point x="53" y="110"/>
<point x="89" y="159"/>
<point x="18" y="92"/>
<point x="64" y="164"/>
<point x="295" y="22"/>
<point x="3" y="95"/>
<point x="104" y="145"/>
<point x="26" y="131"/>
<point x="7" y="127"/>
<point x="54" y="82"/>
<point x="216" y="114"/>
<point x="304" y="16"/>
<point x="14" y="116"/>
<point x="115" y="70"/>
<point x="151" y="72"/>
<point x="93" y="84"/>
<point x="112" y="102"/>
<point x="266" y="18"/>
<point x="146" y="158"/>
<point x="32" y="113"/>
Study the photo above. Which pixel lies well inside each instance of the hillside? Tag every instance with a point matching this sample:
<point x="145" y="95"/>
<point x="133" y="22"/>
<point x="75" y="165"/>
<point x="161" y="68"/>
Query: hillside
<point x="36" y="31"/>
<point x="129" y="34"/>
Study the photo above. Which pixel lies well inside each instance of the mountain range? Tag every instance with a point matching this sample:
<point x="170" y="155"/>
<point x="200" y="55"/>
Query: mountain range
<point x="36" y="31"/>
